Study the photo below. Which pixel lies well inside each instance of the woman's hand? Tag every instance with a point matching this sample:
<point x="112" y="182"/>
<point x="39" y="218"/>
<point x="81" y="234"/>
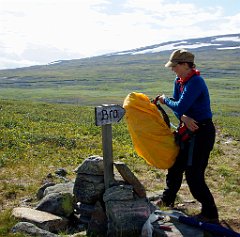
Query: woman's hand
<point x="190" y="123"/>
<point x="161" y="99"/>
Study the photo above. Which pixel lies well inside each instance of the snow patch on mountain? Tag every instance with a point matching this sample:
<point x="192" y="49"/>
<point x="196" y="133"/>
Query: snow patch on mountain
<point x="237" y="47"/>
<point x="226" y="38"/>
<point x="223" y="42"/>
<point x="173" y="47"/>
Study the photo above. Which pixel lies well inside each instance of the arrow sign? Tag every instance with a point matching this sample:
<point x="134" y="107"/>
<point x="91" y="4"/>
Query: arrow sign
<point x="108" y="114"/>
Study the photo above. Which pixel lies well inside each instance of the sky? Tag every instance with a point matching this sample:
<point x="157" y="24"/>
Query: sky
<point x="36" y="32"/>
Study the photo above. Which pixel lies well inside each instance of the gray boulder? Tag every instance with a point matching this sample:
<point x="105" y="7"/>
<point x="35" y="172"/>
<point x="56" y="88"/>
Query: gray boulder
<point x="32" y="230"/>
<point x="89" y="183"/>
<point x="118" y="193"/>
<point x="57" y="203"/>
<point x="88" y="192"/>
<point x="97" y="226"/>
<point x="92" y="165"/>
<point x="126" y="218"/>
<point x="59" y="188"/>
<point x="42" y="189"/>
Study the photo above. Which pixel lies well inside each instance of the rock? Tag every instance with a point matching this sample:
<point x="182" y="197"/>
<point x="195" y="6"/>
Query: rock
<point x="61" y="172"/>
<point x="92" y="165"/>
<point x="32" y="230"/>
<point x="118" y="193"/>
<point x="126" y="218"/>
<point x="89" y="184"/>
<point x="88" y="192"/>
<point x="57" y="203"/>
<point x="154" y="196"/>
<point x="59" y="188"/>
<point x="75" y="225"/>
<point x="130" y="178"/>
<point x="98" y="223"/>
<point x="41" y="219"/>
<point x="85" y="209"/>
<point x="85" y="219"/>
<point x="90" y="178"/>
<point x="42" y="189"/>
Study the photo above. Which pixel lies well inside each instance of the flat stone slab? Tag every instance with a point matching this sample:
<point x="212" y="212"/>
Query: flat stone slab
<point x="43" y="220"/>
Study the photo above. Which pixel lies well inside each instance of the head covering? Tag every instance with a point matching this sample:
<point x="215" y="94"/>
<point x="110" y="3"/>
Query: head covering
<point x="180" y="56"/>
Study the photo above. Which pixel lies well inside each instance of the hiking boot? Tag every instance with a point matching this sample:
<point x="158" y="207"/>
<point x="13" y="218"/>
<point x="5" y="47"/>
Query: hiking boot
<point x="161" y="203"/>
<point x="200" y="217"/>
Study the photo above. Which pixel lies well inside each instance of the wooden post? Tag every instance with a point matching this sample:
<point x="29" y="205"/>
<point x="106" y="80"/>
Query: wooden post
<point x="105" y="115"/>
<point x="107" y="154"/>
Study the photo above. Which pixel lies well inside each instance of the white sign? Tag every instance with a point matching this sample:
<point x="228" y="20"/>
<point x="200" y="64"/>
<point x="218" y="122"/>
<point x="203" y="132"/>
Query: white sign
<point x="108" y="114"/>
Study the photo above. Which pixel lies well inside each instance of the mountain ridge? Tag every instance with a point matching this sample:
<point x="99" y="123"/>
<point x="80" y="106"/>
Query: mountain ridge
<point x="226" y="41"/>
<point x="108" y="78"/>
<point x="217" y="42"/>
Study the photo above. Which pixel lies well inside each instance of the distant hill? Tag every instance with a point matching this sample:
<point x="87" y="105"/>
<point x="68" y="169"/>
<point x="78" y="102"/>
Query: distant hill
<point x="109" y="77"/>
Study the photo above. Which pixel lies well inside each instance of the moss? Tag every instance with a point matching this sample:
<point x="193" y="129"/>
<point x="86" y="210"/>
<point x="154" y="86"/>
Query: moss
<point x="67" y="203"/>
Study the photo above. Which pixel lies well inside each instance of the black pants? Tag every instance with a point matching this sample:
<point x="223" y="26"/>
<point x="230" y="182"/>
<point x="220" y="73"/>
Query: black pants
<point x="204" y="141"/>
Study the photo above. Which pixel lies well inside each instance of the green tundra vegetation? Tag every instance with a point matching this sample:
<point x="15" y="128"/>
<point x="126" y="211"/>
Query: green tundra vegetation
<point x="47" y="122"/>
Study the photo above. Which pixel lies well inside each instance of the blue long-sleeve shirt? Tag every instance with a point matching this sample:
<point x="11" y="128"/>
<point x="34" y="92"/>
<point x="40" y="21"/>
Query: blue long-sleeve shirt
<point x="192" y="101"/>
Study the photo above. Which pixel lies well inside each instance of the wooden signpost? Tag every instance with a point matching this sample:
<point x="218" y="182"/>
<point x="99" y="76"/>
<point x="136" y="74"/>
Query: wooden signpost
<point x="105" y="115"/>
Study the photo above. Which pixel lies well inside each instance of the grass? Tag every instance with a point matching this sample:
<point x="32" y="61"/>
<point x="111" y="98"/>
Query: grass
<point x="38" y="138"/>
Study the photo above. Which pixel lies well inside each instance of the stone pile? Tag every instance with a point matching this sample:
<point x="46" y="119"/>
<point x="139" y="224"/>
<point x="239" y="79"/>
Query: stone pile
<point x="85" y="208"/>
<point x="88" y="191"/>
<point x="120" y="210"/>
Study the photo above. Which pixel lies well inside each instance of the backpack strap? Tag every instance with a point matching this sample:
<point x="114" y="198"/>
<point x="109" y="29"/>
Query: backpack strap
<point x="163" y="112"/>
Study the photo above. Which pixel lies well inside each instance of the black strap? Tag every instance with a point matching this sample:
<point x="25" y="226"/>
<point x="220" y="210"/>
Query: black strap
<point x="163" y="112"/>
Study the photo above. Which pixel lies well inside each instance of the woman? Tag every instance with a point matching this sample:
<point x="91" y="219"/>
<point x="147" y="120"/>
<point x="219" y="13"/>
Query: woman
<point x="191" y="105"/>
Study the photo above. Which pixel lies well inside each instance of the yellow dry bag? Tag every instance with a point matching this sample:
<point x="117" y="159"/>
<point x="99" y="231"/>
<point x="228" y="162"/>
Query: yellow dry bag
<point x="153" y="140"/>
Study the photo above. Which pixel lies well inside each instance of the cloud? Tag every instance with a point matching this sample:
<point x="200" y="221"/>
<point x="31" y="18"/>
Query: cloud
<point x="42" y="30"/>
<point x="7" y="63"/>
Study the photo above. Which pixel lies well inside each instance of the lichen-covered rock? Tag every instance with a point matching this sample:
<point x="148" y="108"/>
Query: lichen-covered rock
<point x="90" y="178"/>
<point x="118" y="193"/>
<point x="126" y="218"/>
<point x="92" y="165"/>
<point x="59" y="188"/>
<point x="88" y="192"/>
<point x="89" y="183"/>
<point x="57" y="203"/>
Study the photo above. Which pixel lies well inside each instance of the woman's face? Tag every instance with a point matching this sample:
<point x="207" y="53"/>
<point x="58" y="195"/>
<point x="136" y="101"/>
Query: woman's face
<point x="181" y="70"/>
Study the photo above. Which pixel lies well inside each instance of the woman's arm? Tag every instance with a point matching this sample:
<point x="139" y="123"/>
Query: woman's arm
<point x="190" y="123"/>
<point x="187" y="98"/>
